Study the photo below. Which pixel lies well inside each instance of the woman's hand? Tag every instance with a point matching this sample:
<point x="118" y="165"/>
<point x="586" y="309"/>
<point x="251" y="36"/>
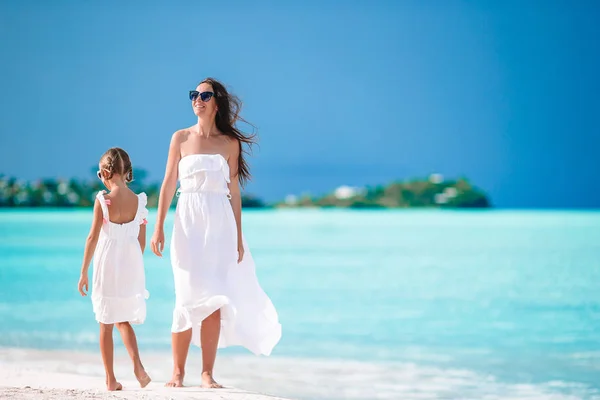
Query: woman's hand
<point x="83" y="283"/>
<point x="240" y="251"/>
<point x="158" y="242"/>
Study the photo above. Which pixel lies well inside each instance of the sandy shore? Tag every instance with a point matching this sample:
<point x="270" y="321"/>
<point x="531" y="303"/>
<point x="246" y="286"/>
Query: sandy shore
<point x="33" y="374"/>
<point x="54" y="375"/>
<point x="66" y="386"/>
<point x="21" y="383"/>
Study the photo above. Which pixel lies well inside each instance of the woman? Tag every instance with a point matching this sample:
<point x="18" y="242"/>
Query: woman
<point x="219" y="302"/>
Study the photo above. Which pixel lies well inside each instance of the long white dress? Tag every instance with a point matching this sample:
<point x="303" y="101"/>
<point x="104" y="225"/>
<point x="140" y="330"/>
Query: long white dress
<point x="204" y="260"/>
<point x="119" y="283"/>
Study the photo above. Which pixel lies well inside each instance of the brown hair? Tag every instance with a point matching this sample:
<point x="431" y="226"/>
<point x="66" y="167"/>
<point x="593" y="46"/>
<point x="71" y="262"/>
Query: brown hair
<point x="228" y="114"/>
<point x="116" y="161"/>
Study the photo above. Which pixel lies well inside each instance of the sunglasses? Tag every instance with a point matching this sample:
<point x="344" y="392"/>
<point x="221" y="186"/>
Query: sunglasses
<point x="204" y="96"/>
<point x="99" y="173"/>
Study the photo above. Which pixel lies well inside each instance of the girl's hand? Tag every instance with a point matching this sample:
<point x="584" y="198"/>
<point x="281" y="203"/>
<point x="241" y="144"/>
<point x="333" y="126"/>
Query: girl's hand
<point x="240" y="251"/>
<point x="158" y="242"/>
<point x="83" y="283"/>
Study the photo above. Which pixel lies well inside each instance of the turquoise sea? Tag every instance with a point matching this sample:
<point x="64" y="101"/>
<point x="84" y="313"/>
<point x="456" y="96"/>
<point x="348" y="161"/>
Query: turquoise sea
<point x="511" y="298"/>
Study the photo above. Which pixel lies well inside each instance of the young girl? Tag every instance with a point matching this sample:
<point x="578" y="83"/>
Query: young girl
<point x="116" y="242"/>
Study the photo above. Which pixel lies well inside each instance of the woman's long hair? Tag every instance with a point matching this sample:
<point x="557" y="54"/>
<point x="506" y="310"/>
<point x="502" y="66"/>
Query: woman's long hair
<point x="228" y="114"/>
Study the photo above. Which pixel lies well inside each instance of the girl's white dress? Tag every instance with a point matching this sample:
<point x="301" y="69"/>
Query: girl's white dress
<point x="119" y="285"/>
<point x="204" y="260"/>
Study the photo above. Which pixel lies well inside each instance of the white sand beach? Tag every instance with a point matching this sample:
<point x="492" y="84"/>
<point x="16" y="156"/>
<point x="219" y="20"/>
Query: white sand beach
<point x="52" y="386"/>
<point x="33" y="374"/>
<point x="39" y="374"/>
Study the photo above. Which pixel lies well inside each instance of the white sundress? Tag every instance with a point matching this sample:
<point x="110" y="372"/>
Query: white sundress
<point x="204" y="260"/>
<point x="119" y="285"/>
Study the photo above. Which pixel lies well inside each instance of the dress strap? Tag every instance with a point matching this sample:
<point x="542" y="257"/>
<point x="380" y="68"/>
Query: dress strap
<point x="103" y="205"/>
<point x="142" y="211"/>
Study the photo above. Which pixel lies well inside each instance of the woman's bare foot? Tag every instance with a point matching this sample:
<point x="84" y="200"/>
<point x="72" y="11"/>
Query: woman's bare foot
<point x="208" y="382"/>
<point x="114" y="385"/>
<point x="142" y="378"/>
<point x="176" y="381"/>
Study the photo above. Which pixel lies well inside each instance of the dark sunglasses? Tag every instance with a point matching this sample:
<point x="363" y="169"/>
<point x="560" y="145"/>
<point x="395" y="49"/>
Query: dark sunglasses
<point x="204" y="96"/>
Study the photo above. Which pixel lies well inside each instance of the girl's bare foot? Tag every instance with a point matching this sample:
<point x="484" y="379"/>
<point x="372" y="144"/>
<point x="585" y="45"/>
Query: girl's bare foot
<point x="176" y="380"/>
<point x="142" y="378"/>
<point x="113" y="385"/>
<point x="208" y="382"/>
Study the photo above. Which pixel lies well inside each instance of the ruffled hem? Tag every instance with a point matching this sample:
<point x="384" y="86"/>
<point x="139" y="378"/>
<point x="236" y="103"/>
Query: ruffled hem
<point x="110" y="310"/>
<point x="260" y="338"/>
<point x="270" y="336"/>
<point x="185" y="317"/>
<point x="260" y="335"/>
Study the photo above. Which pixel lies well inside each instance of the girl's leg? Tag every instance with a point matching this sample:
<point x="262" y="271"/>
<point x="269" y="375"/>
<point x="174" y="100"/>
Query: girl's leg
<point x="130" y="341"/>
<point x="181" y="344"/>
<point x="106" y="349"/>
<point x="209" y="340"/>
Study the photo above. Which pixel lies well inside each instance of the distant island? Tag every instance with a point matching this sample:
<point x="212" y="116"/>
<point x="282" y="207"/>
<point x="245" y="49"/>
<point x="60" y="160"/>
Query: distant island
<point x="433" y="191"/>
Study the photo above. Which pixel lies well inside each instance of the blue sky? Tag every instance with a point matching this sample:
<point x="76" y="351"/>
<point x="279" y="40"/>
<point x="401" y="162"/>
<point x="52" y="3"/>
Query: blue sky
<point x="505" y="93"/>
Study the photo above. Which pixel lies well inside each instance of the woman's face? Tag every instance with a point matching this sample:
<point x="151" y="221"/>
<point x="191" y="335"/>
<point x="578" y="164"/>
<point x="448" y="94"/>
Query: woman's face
<point x="204" y="108"/>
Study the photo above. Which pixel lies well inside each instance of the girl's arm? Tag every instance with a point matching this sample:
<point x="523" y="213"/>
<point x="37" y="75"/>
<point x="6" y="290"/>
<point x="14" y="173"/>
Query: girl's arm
<point x="167" y="191"/>
<point x="236" y="197"/>
<point x="142" y="237"/>
<point x="90" y="247"/>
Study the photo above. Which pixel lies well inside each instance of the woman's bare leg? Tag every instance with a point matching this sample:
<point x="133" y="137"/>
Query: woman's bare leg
<point x="130" y="341"/>
<point x="107" y="349"/>
<point x="209" y="340"/>
<point x="180" y="343"/>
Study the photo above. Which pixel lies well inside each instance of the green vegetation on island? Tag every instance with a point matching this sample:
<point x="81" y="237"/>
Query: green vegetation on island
<point x="431" y="192"/>
<point x="80" y="192"/>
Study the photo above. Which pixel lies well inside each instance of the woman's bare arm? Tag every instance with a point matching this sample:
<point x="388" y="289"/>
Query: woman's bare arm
<point x="167" y="191"/>
<point x="234" y="190"/>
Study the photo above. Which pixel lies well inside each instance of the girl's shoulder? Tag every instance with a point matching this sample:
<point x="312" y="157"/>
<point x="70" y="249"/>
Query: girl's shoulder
<point x="103" y="197"/>
<point x="142" y="211"/>
<point x="142" y="198"/>
<point x="107" y="198"/>
<point x="104" y="203"/>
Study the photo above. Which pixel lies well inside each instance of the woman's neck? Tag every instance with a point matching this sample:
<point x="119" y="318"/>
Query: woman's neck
<point x="206" y="127"/>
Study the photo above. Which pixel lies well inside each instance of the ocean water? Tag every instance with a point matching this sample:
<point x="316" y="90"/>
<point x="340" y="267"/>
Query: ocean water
<point x="377" y="304"/>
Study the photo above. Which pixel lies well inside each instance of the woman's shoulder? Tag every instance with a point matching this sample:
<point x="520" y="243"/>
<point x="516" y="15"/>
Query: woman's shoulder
<point x="232" y="144"/>
<point x="179" y="137"/>
<point x="229" y="141"/>
<point x="183" y="133"/>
